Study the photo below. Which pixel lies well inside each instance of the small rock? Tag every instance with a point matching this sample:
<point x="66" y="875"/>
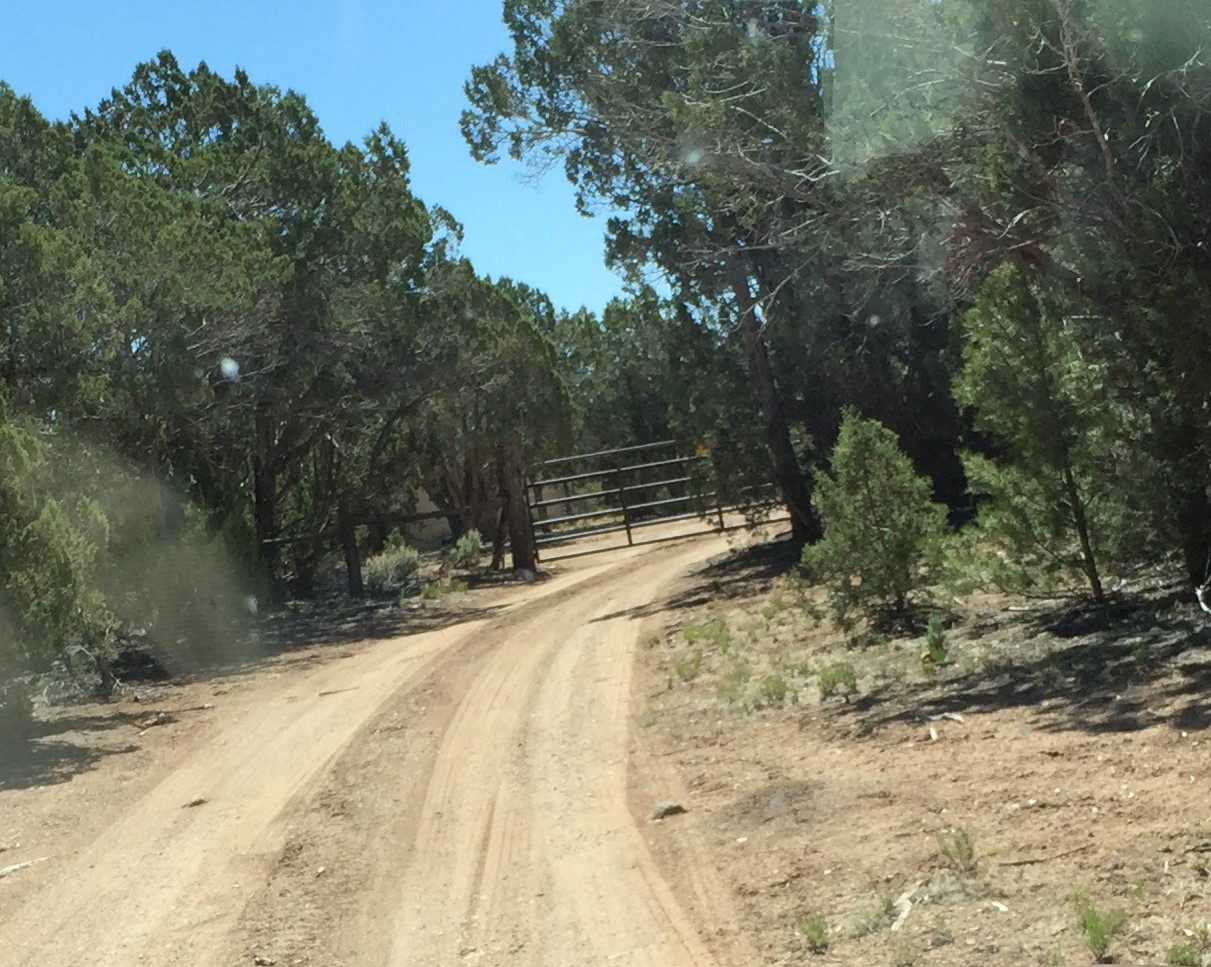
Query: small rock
<point x="664" y="809"/>
<point x="194" y="803"/>
<point x="262" y="961"/>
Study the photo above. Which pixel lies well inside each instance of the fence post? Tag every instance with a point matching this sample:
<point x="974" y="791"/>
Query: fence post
<point x="622" y="499"/>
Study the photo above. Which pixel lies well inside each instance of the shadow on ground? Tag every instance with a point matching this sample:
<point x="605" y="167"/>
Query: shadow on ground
<point x="302" y="635"/>
<point x="1121" y="668"/>
<point x="54" y="751"/>
<point x="737" y="574"/>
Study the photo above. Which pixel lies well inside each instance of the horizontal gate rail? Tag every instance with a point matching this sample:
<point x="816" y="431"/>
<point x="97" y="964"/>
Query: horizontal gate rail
<point x="574" y="478"/>
<point x="551" y="521"/>
<point x="658" y="483"/>
<point x="615" y="484"/>
<point x="784" y="519"/>
<point x="610" y="453"/>
<point x="573" y="499"/>
<point x="577" y="535"/>
<point x="672" y="500"/>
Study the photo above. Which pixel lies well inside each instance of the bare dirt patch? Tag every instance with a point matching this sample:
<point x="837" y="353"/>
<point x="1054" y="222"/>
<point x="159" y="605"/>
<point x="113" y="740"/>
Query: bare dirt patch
<point x="936" y="815"/>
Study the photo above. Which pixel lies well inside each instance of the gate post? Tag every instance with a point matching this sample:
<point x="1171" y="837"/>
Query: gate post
<point x="622" y="499"/>
<point x="517" y="507"/>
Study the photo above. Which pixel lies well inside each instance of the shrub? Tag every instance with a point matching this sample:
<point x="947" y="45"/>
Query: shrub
<point x="1184" y="954"/>
<point x="882" y="529"/>
<point x="1100" y="927"/>
<point x="467" y="550"/>
<point x="936" y="652"/>
<point x="714" y="631"/>
<point x="688" y="669"/>
<point x="834" y="676"/>
<point x="392" y="567"/>
<point x="1193" y="951"/>
<point x="959" y="851"/>
<point x="737" y="676"/>
<point x="773" y="690"/>
<point x="436" y="589"/>
<point x="816" y="935"/>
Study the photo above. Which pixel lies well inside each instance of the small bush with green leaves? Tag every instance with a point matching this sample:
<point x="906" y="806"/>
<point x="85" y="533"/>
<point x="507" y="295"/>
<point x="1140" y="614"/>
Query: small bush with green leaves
<point x="1193" y="951"/>
<point x="883" y="531"/>
<point x="936" y="650"/>
<point x="437" y="589"/>
<point x="958" y="849"/>
<point x="1099" y="927"/>
<point x="714" y="631"/>
<point x="392" y="567"/>
<point x="771" y="609"/>
<point x="731" y="688"/>
<point x="772" y="691"/>
<point x="1184" y="954"/>
<point x="816" y="934"/>
<point x="876" y="915"/>
<point x="837" y="675"/>
<point x="467" y="550"/>
<point x="688" y="669"/>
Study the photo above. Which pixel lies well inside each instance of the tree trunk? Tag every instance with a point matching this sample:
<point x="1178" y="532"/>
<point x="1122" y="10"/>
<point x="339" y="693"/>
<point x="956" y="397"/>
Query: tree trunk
<point x="787" y="473"/>
<point x="498" y="541"/>
<point x="521" y="528"/>
<point x="1194" y="523"/>
<point x="1088" y="559"/>
<point x="264" y="486"/>
<point x="353" y="559"/>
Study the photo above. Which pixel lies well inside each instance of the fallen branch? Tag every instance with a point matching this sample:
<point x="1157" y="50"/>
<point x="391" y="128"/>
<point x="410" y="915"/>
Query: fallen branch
<point x="1045" y="859"/>
<point x="16" y="867"/>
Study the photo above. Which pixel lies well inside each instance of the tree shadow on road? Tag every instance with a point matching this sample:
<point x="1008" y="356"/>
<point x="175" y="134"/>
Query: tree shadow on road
<point x="305" y="635"/>
<point x="738" y="574"/>
<point x="55" y="750"/>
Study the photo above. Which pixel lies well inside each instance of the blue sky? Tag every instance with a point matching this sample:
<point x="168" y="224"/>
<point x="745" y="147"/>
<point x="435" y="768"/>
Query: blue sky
<point x="357" y="62"/>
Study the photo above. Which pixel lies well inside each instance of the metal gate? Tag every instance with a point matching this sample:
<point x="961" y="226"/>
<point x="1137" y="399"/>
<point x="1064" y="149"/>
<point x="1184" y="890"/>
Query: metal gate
<point x="632" y="491"/>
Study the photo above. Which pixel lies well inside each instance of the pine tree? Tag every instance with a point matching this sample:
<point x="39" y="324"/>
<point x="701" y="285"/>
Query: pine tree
<point x="882" y="529"/>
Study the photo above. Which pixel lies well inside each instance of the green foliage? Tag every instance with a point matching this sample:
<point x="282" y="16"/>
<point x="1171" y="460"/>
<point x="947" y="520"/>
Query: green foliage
<point x="467" y="550"/>
<point x="772" y="691"/>
<point x="958" y="849"/>
<point x="936" y="650"/>
<point x="1098" y="926"/>
<point x="1184" y="954"/>
<point x="50" y="550"/>
<point x="817" y="936"/>
<point x="836" y="676"/>
<point x="882" y="530"/>
<point x="1194" y="951"/>
<point x="392" y="568"/>
<point x="735" y="680"/>
<point x="715" y="631"/>
<point x="1061" y="501"/>
<point x="688" y="669"/>
<point x="435" y="590"/>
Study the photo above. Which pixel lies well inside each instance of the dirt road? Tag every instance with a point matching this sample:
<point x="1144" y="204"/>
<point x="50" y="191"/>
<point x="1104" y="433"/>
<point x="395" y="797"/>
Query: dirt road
<point x="460" y="796"/>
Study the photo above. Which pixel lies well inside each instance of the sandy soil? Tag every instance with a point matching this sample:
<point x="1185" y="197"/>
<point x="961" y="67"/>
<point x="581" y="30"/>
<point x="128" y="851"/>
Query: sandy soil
<point x="455" y="796"/>
<point x="1074" y="754"/>
<point x="479" y="791"/>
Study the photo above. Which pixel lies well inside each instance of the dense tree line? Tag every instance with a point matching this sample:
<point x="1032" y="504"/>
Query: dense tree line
<point x="982" y="225"/>
<point x="219" y="331"/>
